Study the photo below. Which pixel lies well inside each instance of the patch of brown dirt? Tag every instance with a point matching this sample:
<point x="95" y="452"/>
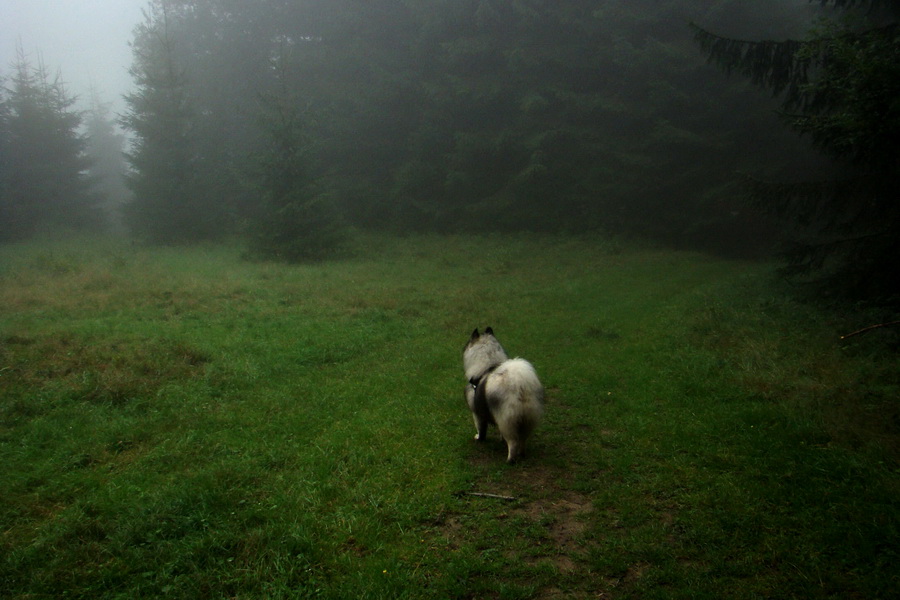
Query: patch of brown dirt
<point x="564" y="519"/>
<point x="549" y="521"/>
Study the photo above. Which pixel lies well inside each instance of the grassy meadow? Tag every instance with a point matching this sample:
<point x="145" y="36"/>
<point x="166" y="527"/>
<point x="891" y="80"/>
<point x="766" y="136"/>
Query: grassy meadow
<point x="182" y="423"/>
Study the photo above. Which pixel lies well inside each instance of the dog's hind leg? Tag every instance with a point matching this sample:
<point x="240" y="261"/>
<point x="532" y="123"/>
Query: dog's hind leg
<point x="515" y="430"/>
<point x="514" y="449"/>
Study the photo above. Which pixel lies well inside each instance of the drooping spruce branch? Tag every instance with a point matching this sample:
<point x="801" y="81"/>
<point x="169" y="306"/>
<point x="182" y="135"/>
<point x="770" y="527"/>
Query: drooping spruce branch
<point x="838" y="86"/>
<point x="777" y="65"/>
<point x="869" y="5"/>
<point x="801" y="69"/>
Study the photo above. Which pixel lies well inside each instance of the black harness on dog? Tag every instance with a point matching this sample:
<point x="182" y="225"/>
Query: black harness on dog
<point x="476" y="381"/>
<point x="480" y="404"/>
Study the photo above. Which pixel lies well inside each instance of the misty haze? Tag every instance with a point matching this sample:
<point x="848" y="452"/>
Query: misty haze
<point x="243" y="245"/>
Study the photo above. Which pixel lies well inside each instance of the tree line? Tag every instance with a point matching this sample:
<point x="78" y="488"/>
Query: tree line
<point x="60" y="166"/>
<point x="290" y="121"/>
<point x="284" y="121"/>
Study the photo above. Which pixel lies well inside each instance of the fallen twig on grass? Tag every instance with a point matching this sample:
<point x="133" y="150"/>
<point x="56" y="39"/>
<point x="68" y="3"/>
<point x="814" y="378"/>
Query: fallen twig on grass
<point x="484" y="495"/>
<point x="870" y="328"/>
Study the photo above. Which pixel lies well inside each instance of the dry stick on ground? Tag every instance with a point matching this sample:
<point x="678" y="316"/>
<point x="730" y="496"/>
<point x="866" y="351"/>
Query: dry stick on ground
<point x="496" y="496"/>
<point x="870" y="328"/>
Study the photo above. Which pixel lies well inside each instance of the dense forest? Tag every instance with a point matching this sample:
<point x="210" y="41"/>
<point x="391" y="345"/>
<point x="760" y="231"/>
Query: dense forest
<point x="442" y="116"/>
<point x="291" y="122"/>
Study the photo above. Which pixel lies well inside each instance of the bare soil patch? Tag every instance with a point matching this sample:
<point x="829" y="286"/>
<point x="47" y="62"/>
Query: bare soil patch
<point x="550" y="521"/>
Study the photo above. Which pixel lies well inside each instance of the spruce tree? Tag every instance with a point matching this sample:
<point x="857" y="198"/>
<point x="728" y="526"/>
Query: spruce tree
<point x="160" y="116"/>
<point x="6" y="210"/>
<point x="45" y="182"/>
<point x="106" y="148"/>
<point x="295" y="221"/>
<point x="839" y="86"/>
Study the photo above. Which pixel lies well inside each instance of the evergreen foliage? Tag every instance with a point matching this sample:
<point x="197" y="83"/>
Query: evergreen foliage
<point x="43" y="177"/>
<point x="5" y="156"/>
<point x="295" y="221"/>
<point x="106" y="147"/>
<point x="448" y="116"/>
<point x="839" y="86"/>
<point x="172" y="192"/>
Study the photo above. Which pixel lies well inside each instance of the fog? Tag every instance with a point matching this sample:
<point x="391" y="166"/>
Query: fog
<point x="87" y="41"/>
<point x="288" y="123"/>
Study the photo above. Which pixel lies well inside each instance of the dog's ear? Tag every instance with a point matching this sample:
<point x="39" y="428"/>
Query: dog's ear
<point x="489" y="331"/>
<point x="475" y="334"/>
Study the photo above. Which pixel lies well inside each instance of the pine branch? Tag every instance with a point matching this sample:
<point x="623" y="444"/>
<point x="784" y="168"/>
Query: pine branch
<point x="873" y="5"/>
<point x="777" y="65"/>
<point x="788" y="66"/>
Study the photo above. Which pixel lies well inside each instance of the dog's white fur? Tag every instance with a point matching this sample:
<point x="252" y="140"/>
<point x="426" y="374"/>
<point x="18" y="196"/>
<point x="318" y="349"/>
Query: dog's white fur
<point x="503" y="391"/>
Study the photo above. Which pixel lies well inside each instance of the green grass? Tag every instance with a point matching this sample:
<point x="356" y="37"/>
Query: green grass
<point x="181" y="423"/>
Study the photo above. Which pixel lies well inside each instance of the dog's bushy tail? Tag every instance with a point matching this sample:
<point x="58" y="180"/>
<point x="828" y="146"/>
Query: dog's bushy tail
<point x="520" y="402"/>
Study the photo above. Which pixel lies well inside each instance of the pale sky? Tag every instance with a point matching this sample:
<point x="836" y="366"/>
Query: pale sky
<point x="86" y="40"/>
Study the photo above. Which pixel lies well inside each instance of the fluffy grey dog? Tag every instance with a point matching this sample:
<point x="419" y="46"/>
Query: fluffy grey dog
<point x="502" y="391"/>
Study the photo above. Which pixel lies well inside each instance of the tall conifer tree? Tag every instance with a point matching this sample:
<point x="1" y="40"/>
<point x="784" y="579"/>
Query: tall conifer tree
<point x="6" y="212"/>
<point x="45" y="180"/>
<point x="106" y="148"/>
<point x="840" y="87"/>
<point x="160" y="116"/>
<point x="295" y="220"/>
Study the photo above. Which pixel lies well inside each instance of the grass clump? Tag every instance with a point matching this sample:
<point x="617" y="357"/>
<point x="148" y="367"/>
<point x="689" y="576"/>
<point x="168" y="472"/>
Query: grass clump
<point x="182" y="423"/>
